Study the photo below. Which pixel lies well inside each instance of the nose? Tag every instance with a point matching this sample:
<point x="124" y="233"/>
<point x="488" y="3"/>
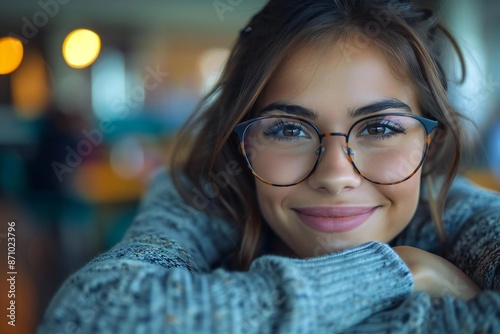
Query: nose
<point x="334" y="172"/>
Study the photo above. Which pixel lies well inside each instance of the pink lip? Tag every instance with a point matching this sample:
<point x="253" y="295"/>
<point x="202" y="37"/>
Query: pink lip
<point x="335" y="219"/>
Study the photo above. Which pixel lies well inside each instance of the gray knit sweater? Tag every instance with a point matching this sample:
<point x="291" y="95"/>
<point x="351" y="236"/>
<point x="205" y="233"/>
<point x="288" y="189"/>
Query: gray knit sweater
<point x="163" y="278"/>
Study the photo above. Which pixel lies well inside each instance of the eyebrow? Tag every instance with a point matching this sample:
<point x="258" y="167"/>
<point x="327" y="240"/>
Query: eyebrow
<point x="379" y="106"/>
<point x="371" y="108"/>
<point x="291" y="109"/>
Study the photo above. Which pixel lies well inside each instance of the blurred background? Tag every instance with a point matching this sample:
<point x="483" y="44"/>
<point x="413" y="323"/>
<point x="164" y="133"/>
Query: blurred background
<point x="92" y="92"/>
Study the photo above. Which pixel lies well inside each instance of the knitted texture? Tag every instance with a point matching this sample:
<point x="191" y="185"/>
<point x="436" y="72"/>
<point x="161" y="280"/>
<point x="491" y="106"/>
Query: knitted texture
<point x="164" y="278"/>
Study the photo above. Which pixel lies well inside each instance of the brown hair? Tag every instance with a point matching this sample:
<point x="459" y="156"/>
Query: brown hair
<point x="407" y="35"/>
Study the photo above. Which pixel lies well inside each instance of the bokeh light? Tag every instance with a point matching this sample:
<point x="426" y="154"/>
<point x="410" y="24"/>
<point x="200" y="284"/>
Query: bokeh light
<point x="211" y="62"/>
<point x="30" y="86"/>
<point x="81" y="48"/>
<point x="11" y="54"/>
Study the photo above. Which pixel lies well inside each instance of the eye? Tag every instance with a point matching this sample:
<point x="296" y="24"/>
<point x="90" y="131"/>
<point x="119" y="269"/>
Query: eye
<point x="377" y="130"/>
<point x="290" y="130"/>
<point x="287" y="130"/>
<point x="381" y="129"/>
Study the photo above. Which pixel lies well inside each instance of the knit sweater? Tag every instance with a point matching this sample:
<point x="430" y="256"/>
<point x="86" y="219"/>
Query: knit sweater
<point x="164" y="277"/>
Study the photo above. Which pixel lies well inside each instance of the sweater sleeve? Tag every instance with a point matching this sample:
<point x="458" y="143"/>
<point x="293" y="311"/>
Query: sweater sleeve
<point x="472" y="221"/>
<point x="422" y="314"/>
<point x="203" y="239"/>
<point x="475" y="240"/>
<point x="159" y="279"/>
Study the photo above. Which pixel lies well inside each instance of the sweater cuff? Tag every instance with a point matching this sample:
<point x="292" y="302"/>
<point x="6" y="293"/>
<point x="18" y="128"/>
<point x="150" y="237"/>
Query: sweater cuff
<point x="346" y="287"/>
<point x="371" y="277"/>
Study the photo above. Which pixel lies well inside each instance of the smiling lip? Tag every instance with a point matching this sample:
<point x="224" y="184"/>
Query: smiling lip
<point x="335" y="219"/>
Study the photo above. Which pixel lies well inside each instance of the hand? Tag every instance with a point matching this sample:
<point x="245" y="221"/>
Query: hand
<point x="435" y="275"/>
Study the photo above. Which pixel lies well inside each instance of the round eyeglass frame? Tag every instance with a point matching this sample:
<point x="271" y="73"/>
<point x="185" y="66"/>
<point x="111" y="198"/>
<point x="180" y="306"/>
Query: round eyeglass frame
<point x="428" y="124"/>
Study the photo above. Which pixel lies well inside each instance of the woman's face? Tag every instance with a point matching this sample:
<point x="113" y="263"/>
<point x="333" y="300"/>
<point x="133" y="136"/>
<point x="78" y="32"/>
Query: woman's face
<point x="336" y="208"/>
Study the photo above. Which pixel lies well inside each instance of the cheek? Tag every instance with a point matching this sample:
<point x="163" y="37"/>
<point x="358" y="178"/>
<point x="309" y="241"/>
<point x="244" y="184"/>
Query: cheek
<point x="404" y="199"/>
<point x="271" y="201"/>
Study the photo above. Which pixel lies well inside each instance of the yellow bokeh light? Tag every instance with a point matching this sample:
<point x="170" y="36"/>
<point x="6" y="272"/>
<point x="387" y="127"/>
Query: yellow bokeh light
<point x="81" y="48"/>
<point x="11" y="54"/>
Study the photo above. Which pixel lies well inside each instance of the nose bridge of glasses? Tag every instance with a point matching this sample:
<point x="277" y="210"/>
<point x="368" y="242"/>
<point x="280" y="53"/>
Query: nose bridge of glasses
<point x="345" y="148"/>
<point x="333" y="134"/>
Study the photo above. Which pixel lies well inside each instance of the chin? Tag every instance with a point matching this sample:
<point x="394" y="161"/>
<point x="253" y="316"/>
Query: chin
<point x="325" y="244"/>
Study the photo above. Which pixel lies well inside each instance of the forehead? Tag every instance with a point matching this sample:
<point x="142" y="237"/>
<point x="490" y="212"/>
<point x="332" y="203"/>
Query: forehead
<point x="339" y="75"/>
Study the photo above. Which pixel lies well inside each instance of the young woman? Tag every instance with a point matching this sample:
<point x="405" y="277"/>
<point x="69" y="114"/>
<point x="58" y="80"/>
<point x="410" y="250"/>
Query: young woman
<point x="312" y="198"/>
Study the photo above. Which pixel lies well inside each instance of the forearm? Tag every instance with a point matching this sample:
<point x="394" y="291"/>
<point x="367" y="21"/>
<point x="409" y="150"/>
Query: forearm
<point x="124" y="293"/>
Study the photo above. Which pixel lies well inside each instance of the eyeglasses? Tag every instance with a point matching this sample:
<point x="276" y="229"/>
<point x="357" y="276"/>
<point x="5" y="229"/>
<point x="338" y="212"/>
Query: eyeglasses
<point x="384" y="148"/>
